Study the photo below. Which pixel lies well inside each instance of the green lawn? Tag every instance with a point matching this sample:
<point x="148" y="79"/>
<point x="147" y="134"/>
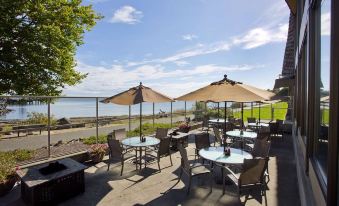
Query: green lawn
<point x="280" y="110"/>
<point x="325" y="118"/>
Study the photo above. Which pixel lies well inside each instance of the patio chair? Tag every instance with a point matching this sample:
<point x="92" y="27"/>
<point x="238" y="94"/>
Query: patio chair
<point x="192" y="170"/>
<point x="251" y="177"/>
<point x="251" y="120"/>
<point x="262" y="149"/>
<point x="118" y="152"/>
<point x="280" y="126"/>
<point x="161" y="133"/>
<point x="163" y="150"/>
<point x="205" y="125"/>
<point x="202" y="140"/>
<point x="274" y="127"/>
<point x="217" y="135"/>
<point x="119" y="134"/>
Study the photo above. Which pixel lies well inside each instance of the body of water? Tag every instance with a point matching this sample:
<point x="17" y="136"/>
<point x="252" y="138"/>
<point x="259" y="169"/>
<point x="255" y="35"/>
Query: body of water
<point x="73" y="107"/>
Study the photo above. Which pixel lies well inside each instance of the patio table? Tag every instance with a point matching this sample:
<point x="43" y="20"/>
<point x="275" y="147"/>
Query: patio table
<point x="245" y="135"/>
<point x="217" y="121"/>
<point x="138" y="145"/>
<point x="258" y="125"/>
<point x="216" y="155"/>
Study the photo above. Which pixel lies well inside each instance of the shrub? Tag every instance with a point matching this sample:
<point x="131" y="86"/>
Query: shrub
<point x="40" y="118"/>
<point x="92" y="139"/>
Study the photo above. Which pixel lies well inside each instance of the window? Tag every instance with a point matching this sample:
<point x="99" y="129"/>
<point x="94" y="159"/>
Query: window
<point x="320" y="152"/>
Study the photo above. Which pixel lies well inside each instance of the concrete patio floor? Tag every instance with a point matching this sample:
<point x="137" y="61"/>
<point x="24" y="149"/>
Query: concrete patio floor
<point x="151" y="187"/>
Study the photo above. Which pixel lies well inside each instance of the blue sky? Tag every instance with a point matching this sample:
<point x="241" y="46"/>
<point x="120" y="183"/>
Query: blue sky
<point x="177" y="46"/>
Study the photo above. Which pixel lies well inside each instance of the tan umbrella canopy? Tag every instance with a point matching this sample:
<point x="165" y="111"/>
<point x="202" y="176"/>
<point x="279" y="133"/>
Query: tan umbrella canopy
<point x="138" y="95"/>
<point x="227" y="90"/>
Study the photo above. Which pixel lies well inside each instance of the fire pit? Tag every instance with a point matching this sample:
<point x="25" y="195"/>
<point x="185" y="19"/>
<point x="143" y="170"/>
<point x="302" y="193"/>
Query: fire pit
<point x="53" y="182"/>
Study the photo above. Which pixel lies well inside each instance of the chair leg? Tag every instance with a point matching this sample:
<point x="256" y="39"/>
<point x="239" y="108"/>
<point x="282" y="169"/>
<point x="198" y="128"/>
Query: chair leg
<point x="108" y="164"/>
<point x="171" y="159"/>
<point x="211" y="181"/>
<point x="136" y="159"/>
<point x="189" y="184"/>
<point x="159" y="164"/>
<point x="223" y="181"/>
<point x="181" y="171"/>
<point x="122" y="167"/>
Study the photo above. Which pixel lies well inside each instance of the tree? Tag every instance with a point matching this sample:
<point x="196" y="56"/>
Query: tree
<point x="38" y="40"/>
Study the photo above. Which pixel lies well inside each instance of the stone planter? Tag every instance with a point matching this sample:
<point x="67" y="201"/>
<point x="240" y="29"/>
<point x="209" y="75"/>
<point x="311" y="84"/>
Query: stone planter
<point x="7" y="185"/>
<point x="96" y="158"/>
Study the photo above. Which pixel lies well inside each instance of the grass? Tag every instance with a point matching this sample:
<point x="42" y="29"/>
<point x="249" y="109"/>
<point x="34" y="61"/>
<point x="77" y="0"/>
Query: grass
<point x="147" y="129"/>
<point x="8" y="161"/>
<point x="325" y="118"/>
<point x="280" y="110"/>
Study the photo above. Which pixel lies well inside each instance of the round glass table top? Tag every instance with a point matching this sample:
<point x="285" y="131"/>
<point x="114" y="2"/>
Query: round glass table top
<point x="246" y="134"/>
<point x="135" y="142"/>
<point x="216" y="154"/>
<point x="217" y="120"/>
<point x="261" y="124"/>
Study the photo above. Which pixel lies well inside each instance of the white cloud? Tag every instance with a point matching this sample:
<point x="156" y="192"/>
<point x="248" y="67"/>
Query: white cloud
<point x="189" y="37"/>
<point x="126" y="14"/>
<point x="261" y="36"/>
<point x="326" y="24"/>
<point x="181" y="63"/>
<point x="105" y="80"/>
<point x="198" y="50"/>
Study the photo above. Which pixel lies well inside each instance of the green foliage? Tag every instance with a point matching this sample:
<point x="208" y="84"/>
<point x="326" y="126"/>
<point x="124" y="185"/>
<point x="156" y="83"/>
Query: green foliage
<point x="38" y="42"/>
<point x="40" y="118"/>
<point x="92" y="139"/>
<point x="280" y="110"/>
<point x="199" y="110"/>
<point x="148" y="129"/>
<point x="8" y="161"/>
<point x="7" y="128"/>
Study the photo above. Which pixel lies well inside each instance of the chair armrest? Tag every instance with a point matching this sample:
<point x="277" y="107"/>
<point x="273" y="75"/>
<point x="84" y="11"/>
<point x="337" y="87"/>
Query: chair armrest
<point x="232" y="173"/>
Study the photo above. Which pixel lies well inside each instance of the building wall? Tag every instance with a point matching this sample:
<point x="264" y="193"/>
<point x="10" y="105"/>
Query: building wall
<point x="315" y="114"/>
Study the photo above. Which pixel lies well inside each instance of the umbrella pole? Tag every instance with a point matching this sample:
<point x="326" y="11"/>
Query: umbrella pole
<point x="242" y="115"/>
<point x="171" y="114"/>
<point x="185" y="111"/>
<point x="251" y="109"/>
<point x="225" y="118"/>
<point x="218" y="110"/>
<point x="129" y="117"/>
<point x="153" y="114"/>
<point x="140" y="120"/>
<point x="259" y="111"/>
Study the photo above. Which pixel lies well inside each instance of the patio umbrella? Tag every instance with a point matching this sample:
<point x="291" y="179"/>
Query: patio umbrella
<point x="227" y="90"/>
<point x="138" y="95"/>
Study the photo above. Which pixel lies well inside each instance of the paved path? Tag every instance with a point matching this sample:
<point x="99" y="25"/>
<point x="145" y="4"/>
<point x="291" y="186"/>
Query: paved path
<point x="38" y="141"/>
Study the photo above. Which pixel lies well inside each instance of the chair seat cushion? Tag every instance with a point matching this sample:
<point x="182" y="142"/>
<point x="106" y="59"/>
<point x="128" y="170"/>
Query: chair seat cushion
<point x="198" y="168"/>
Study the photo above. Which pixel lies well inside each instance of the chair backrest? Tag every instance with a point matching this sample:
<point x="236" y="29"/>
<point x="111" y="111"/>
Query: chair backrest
<point x="202" y="140"/>
<point x="119" y="134"/>
<point x="261" y="148"/>
<point x="217" y="135"/>
<point x="184" y="158"/>
<point x="264" y="133"/>
<point x="205" y="122"/>
<point x="273" y="127"/>
<point x="164" y="146"/>
<point x="251" y="120"/>
<point x="115" y="148"/>
<point x="161" y="133"/>
<point x="253" y="172"/>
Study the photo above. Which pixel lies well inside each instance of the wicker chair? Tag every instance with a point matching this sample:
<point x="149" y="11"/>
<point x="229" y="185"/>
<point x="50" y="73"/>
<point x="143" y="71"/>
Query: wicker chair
<point x="192" y="170"/>
<point x="262" y="149"/>
<point x="119" y="134"/>
<point x="118" y="152"/>
<point x="202" y="140"/>
<point x="205" y="125"/>
<point x="264" y="133"/>
<point x="161" y="133"/>
<point x="251" y="120"/>
<point x="251" y="177"/>
<point x="217" y="135"/>
<point x="163" y="150"/>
